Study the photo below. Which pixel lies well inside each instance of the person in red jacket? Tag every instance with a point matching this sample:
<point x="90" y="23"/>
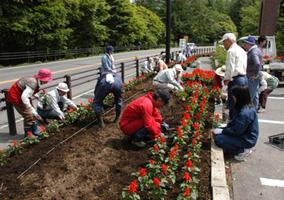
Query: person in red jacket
<point x="20" y="95"/>
<point x="141" y="117"/>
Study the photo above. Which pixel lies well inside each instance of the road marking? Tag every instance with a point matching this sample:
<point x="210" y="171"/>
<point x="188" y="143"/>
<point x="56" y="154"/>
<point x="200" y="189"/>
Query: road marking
<point x="270" y="121"/>
<point x="281" y="98"/>
<point x="272" y="182"/>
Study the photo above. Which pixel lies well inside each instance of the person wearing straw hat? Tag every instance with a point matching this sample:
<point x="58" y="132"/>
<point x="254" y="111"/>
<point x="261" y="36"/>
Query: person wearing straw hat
<point x="236" y="67"/>
<point x="218" y="82"/>
<point x="147" y="66"/>
<point x="20" y="95"/>
<point x="55" y="101"/>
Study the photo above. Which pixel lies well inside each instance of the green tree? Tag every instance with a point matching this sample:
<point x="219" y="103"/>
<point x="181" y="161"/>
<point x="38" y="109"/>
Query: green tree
<point x="250" y="17"/>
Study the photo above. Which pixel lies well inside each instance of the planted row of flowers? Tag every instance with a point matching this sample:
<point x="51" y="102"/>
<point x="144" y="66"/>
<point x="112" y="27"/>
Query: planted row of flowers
<point x="160" y="173"/>
<point x="72" y="115"/>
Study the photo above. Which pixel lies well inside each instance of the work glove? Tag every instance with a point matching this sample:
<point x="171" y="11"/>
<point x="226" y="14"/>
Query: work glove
<point x="109" y="78"/>
<point x="218" y="131"/>
<point x="222" y="125"/>
<point x="165" y="126"/>
<point x="34" y="113"/>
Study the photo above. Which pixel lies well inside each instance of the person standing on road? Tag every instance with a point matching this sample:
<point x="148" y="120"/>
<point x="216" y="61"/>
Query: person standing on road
<point x="261" y="42"/>
<point x="141" y="117"/>
<point x="267" y="85"/>
<point x="147" y="66"/>
<point x="108" y="61"/>
<point x="236" y="67"/>
<point x="55" y="101"/>
<point x="20" y="96"/>
<point x="242" y="131"/>
<point x="109" y="82"/>
<point x="187" y="51"/>
<point x="254" y="65"/>
<point x="166" y="79"/>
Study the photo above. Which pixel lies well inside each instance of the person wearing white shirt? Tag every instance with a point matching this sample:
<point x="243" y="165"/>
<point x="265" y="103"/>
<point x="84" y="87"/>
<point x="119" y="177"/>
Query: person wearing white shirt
<point x="147" y="66"/>
<point x="166" y="79"/>
<point x="56" y="100"/>
<point x="236" y="67"/>
<point x="181" y="58"/>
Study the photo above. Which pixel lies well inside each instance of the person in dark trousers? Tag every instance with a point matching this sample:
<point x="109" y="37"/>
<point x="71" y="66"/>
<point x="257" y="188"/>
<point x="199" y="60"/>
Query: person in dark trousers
<point x="242" y="131"/>
<point x="20" y="96"/>
<point x="236" y="67"/>
<point x="141" y="117"/>
<point x="109" y="82"/>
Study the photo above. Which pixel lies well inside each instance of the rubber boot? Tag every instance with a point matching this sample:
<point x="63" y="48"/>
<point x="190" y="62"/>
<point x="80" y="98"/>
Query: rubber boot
<point x="118" y="111"/>
<point x="100" y="119"/>
<point x="26" y="129"/>
<point x="35" y="131"/>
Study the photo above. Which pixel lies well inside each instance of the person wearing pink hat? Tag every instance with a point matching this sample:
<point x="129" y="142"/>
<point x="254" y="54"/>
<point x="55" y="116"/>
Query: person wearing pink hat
<point x="20" y="95"/>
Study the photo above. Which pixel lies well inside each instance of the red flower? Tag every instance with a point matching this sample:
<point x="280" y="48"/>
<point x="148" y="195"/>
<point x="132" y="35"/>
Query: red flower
<point x="194" y="142"/>
<point x="42" y="128"/>
<point x="195" y="125"/>
<point x="0" y="151"/>
<point x="156" y="182"/>
<point x="15" y="143"/>
<point x="29" y="134"/>
<point x="172" y="154"/>
<point x="162" y="139"/>
<point x="165" y="168"/>
<point x="90" y="100"/>
<point x="178" y="129"/>
<point x="142" y="172"/>
<point x="75" y="108"/>
<point x="186" y="177"/>
<point x="180" y="135"/>
<point x="156" y="148"/>
<point x="197" y="116"/>
<point x="183" y="122"/>
<point x="89" y="109"/>
<point x="43" y="90"/>
<point x="187" y="108"/>
<point x="189" y="164"/>
<point x="197" y="134"/>
<point x="132" y="187"/>
<point x="81" y="104"/>
<point x="186" y="115"/>
<point x="187" y="192"/>
<point x="152" y="162"/>
<point x="189" y="154"/>
<point x="204" y="99"/>
<point x="51" y="120"/>
<point x="217" y="117"/>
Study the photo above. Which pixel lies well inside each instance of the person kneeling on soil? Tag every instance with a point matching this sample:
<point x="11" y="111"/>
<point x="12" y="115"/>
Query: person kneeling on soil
<point x="51" y="105"/>
<point x="166" y="79"/>
<point x="242" y="131"/>
<point x="109" y="82"/>
<point x="141" y="117"/>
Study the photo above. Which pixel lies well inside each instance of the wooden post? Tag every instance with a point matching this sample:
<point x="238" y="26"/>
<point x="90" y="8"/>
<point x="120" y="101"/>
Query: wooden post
<point x="68" y="82"/>
<point x="122" y="71"/>
<point x="10" y="115"/>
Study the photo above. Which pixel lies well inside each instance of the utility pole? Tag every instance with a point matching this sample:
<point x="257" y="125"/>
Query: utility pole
<point x="168" y="42"/>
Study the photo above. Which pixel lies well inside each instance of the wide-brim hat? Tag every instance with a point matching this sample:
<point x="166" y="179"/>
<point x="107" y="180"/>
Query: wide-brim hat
<point x="151" y="59"/>
<point x="165" y="96"/>
<point x="178" y="67"/>
<point x="44" y="75"/>
<point x="221" y="70"/>
<point x="63" y="87"/>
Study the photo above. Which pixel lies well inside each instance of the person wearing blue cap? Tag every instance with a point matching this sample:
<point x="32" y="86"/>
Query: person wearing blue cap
<point x="108" y="61"/>
<point x="254" y="66"/>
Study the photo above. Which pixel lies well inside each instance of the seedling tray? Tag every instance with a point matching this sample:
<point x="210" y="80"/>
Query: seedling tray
<point x="277" y="140"/>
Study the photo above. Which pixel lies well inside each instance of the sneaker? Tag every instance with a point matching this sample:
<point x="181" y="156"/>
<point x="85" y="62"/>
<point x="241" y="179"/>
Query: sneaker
<point x="261" y="110"/>
<point x="243" y="156"/>
<point x="138" y="143"/>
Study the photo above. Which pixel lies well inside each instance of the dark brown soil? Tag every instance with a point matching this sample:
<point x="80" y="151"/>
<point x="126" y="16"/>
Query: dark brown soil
<point x="96" y="163"/>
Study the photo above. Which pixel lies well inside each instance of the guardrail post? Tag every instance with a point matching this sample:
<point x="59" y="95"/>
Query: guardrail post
<point x="10" y="115"/>
<point x="137" y="68"/>
<point x="122" y="71"/>
<point x="173" y="55"/>
<point x="68" y="82"/>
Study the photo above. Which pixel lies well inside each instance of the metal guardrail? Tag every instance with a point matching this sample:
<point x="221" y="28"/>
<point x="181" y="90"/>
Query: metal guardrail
<point x="91" y="75"/>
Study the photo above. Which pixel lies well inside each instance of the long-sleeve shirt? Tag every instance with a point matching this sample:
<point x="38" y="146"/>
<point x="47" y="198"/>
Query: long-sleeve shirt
<point x="168" y="76"/>
<point x="53" y="99"/>
<point x="236" y="62"/>
<point x="144" y="108"/>
<point x="254" y="63"/>
<point x="244" y="125"/>
<point x="147" y="66"/>
<point x="107" y="63"/>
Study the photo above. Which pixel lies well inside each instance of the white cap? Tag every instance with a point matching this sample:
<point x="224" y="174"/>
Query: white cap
<point x="63" y="87"/>
<point x="151" y="59"/>
<point x="230" y="36"/>
<point x="178" y="67"/>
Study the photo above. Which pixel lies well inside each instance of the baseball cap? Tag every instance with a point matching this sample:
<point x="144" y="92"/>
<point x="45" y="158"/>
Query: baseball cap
<point x="230" y="36"/>
<point x="250" y="40"/>
<point x="165" y="96"/>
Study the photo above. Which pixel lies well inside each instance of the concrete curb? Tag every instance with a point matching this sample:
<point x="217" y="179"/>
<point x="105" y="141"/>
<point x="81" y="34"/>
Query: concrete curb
<point x="218" y="174"/>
